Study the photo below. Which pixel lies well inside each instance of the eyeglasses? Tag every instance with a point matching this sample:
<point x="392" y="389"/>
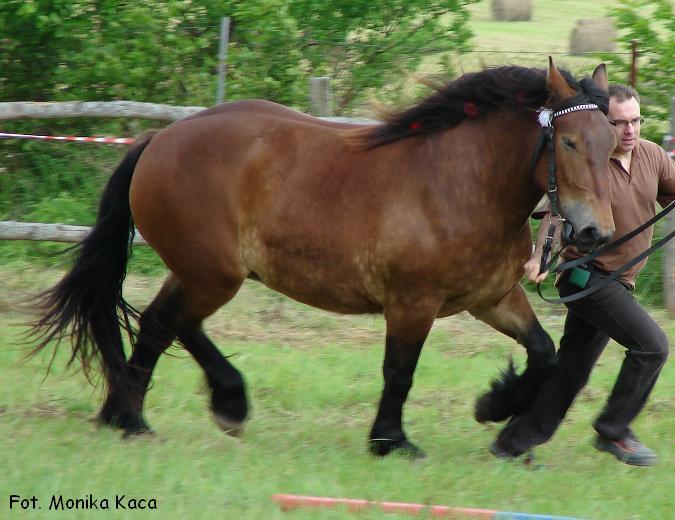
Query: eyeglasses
<point x="622" y="123"/>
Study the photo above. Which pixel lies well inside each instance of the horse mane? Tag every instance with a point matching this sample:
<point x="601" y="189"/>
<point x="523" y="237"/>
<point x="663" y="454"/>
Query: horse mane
<point x="472" y="96"/>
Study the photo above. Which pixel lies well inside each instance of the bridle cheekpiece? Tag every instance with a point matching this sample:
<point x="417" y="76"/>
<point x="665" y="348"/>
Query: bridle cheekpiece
<point x="546" y="117"/>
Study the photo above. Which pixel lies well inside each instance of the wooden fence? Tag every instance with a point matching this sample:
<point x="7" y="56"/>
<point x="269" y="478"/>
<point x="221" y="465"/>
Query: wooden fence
<point x="13" y="230"/>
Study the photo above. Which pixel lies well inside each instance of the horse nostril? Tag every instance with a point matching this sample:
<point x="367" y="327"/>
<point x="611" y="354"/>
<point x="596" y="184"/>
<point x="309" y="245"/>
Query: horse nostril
<point x="589" y="238"/>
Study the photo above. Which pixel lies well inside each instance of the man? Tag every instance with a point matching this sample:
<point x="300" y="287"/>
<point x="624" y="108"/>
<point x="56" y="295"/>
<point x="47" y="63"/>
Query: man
<point x="640" y="175"/>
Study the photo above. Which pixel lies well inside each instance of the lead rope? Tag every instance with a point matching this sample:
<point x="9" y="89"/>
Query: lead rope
<point x="565" y="266"/>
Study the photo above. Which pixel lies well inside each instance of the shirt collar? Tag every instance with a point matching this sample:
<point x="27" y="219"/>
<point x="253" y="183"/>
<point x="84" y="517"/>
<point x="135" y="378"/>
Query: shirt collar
<point x="637" y="149"/>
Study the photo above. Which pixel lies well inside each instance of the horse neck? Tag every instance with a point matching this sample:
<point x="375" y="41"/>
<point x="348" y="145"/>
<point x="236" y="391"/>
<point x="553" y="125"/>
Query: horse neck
<point x="504" y="144"/>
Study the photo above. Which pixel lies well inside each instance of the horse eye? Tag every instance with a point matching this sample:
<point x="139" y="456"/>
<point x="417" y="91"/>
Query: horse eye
<point x="569" y="143"/>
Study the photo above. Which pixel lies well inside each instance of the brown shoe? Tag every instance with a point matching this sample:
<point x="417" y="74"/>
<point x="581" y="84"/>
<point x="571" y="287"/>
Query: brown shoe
<point x="628" y="450"/>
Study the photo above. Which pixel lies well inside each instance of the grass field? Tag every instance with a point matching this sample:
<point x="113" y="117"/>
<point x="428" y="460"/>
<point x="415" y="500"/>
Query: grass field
<point x="314" y="380"/>
<point x="529" y="43"/>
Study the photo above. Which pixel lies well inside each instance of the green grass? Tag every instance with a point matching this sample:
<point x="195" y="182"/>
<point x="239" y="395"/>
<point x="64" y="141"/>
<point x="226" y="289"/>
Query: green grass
<point x="548" y="30"/>
<point x="314" y="380"/>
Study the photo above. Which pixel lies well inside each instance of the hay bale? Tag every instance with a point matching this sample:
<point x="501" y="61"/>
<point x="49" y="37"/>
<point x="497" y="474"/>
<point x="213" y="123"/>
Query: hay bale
<point x="512" y="10"/>
<point x="593" y="35"/>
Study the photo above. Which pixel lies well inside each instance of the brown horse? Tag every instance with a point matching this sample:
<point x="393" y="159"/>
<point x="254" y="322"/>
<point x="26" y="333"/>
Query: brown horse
<point x="420" y="217"/>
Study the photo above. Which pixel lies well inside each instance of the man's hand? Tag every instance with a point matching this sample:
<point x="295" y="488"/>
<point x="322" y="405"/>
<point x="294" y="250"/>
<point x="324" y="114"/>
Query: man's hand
<point x="532" y="266"/>
<point x="532" y="270"/>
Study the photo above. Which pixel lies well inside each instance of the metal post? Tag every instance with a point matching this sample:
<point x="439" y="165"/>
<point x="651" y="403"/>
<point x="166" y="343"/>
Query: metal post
<point x="222" y="57"/>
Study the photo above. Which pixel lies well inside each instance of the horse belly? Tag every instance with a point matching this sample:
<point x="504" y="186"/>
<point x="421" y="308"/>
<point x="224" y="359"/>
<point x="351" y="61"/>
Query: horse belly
<point x="309" y="273"/>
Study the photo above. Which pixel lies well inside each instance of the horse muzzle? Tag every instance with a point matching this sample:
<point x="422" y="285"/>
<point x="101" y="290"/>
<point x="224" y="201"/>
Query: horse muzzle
<point x="587" y="239"/>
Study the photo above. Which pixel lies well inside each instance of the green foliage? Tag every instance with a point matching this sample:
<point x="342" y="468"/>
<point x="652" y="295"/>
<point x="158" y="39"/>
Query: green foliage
<point x="166" y="51"/>
<point x="360" y="45"/>
<point x="652" y="24"/>
<point x="372" y="45"/>
<point x="649" y="283"/>
<point x="101" y="50"/>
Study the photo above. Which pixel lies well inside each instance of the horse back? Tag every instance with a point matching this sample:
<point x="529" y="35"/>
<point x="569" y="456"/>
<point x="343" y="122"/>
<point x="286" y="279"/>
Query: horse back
<point x="283" y="197"/>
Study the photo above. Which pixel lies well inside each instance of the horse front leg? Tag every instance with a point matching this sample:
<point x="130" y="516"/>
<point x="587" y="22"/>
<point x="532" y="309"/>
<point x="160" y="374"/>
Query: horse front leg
<point x="408" y="325"/>
<point x="512" y="394"/>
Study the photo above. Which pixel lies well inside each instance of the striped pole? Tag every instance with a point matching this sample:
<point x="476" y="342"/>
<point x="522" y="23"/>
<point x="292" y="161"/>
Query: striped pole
<point x="290" y="502"/>
<point x="104" y="140"/>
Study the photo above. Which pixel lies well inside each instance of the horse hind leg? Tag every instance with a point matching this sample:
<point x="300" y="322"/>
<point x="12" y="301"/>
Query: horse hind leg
<point x="512" y="394"/>
<point x="229" y="403"/>
<point x="123" y="408"/>
<point x="177" y="312"/>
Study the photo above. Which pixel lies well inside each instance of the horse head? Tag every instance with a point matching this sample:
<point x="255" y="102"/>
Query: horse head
<point x="582" y="141"/>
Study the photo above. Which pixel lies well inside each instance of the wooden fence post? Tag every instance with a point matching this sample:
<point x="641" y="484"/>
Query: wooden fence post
<point x="669" y="253"/>
<point x="222" y="57"/>
<point x="320" y="97"/>
<point x="632" y="78"/>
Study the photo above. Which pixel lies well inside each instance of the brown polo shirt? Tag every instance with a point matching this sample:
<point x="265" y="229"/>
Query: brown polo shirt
<point x="634" y="196"/>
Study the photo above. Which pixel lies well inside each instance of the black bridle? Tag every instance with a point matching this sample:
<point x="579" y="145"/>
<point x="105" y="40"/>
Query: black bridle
<point x="546" y="119"/>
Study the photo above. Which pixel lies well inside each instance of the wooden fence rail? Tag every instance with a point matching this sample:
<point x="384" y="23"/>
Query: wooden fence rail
<point x="12" y="230"/>
<point x="108" y="109"/>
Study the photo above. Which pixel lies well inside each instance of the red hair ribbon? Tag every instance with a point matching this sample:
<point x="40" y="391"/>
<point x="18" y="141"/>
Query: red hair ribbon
<point x="470" y="109"/>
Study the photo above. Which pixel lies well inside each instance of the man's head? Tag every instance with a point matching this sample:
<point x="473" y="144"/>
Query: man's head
<point x="624" y="115"/>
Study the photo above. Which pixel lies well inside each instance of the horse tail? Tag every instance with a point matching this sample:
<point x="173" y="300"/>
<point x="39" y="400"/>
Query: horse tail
<point x="87" y="305"/>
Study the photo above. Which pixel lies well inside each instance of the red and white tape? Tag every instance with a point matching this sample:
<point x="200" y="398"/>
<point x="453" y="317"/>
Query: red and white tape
<point x="103" y="140"/>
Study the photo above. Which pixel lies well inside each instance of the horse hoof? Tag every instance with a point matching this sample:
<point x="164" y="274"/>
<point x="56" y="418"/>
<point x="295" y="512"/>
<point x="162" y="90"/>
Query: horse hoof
<point x="132" y="425"/>
<point x="526" y="458"/>
<point x="137" y="432"/>
<point x="230" y="427"/>
<point x="383" y="447"/>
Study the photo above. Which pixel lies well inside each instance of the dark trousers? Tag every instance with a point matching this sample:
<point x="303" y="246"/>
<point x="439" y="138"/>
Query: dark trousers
<point x="612" y="312"/>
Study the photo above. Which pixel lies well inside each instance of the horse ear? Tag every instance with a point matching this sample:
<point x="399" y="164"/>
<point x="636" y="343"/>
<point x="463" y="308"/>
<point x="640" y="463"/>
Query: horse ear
<point x="556" y="84"/>
<point x="600" y="77"/>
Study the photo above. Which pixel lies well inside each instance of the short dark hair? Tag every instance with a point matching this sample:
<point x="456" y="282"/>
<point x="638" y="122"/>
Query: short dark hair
<point x="622" y="92"/>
